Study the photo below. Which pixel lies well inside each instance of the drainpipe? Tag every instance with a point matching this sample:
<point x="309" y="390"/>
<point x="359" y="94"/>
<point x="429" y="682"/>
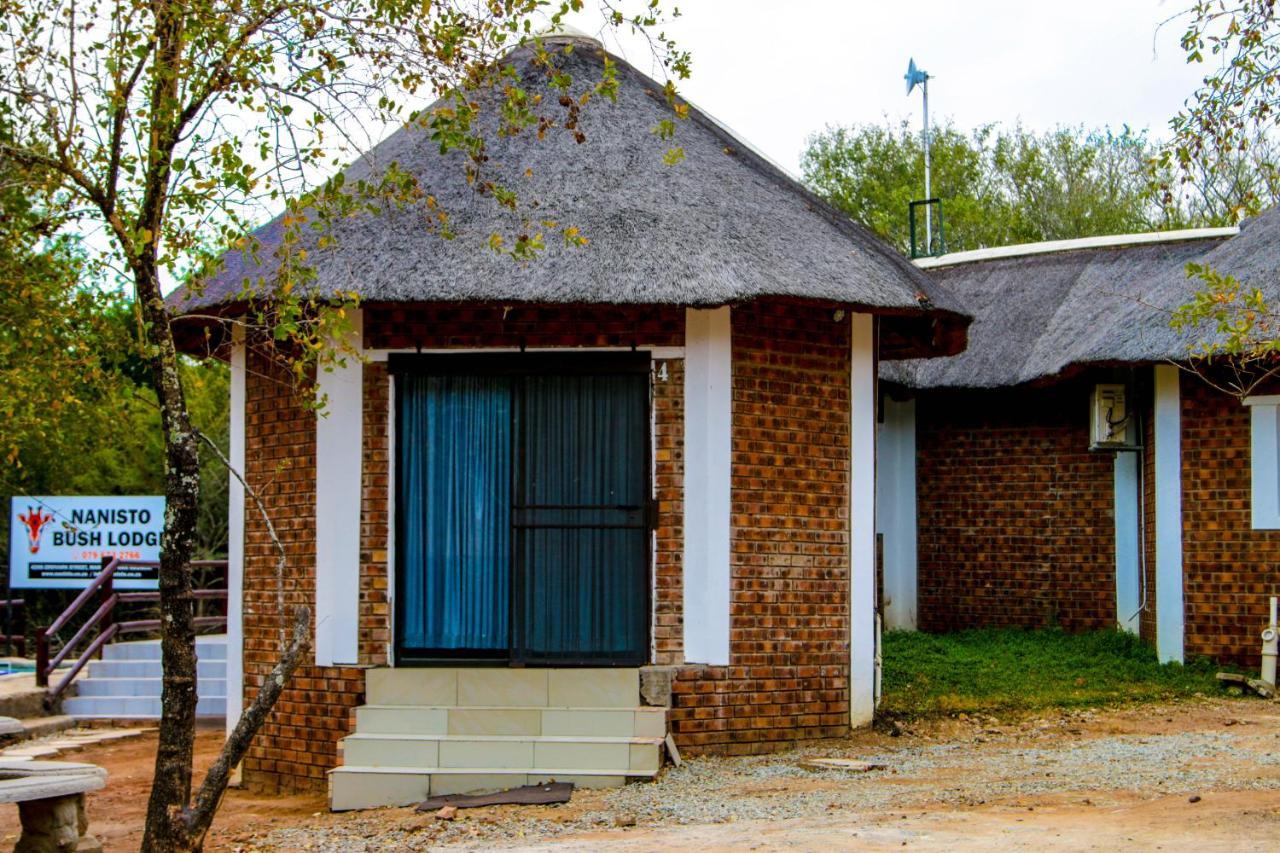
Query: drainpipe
<point x="1270" y="646"/>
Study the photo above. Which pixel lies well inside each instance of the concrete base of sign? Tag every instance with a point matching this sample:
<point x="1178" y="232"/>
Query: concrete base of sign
<point x="50" y="798"/>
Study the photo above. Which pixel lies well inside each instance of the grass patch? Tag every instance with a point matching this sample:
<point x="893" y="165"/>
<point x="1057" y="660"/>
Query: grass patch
<point x="995" y="669"/>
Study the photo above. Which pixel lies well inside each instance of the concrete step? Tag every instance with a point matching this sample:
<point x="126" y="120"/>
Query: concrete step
<point x="208" y="647"/>
<point x="363" y="787"/>
<point x="502" y="687"/>
<point x="134" y="707"/>
<point x="144" y="687"/>
<point x="536" y="721"/>
<point x="636" y="756"/>
<point x="150" y="669"/>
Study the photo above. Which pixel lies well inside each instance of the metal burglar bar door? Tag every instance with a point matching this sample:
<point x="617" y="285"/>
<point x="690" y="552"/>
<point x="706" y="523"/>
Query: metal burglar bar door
<point x="522" y="508"/>
<point x="579" y="518"/>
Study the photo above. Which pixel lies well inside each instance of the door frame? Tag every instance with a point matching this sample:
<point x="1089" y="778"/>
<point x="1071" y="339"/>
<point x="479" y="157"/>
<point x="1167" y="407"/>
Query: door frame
<point x="514" y="363"/>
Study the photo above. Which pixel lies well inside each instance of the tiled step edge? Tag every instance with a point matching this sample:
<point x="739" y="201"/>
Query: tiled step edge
<point x="357" y="787"/>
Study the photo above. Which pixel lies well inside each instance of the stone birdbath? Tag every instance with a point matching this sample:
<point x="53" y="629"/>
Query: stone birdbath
<point x="50" y="798"/>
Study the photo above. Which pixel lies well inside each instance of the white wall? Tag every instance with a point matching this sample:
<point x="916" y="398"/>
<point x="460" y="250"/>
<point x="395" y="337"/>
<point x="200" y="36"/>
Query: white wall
<point x="896" y="511"/>
<point x="1168" y="497"/>
<point x="862" y="521"/>
<point x="235" y="535"/>
<point x="708" y="410"/>
<point x="339" y="446"/>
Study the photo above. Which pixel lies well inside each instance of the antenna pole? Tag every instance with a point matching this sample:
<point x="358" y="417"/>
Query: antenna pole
<point x="928" y="214"/>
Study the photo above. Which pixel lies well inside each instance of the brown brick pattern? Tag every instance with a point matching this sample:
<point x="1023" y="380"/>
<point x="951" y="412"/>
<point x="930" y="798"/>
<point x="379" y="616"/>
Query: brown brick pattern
<point x="668" y="584"/>
<point x="400" y="326"/>
<point x="1016" y="515"/>
<point x="1230" y="569"/>
<point x="375" y="523"/>
<point x="789" y="652"/>
<point x="298" y="743"/>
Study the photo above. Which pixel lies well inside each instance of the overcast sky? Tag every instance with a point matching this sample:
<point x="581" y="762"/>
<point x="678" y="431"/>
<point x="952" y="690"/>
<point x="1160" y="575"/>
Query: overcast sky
<point x="777" y="71"/>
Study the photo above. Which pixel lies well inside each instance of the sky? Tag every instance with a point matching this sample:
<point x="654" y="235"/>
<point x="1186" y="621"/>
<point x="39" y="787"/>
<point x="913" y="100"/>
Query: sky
<point x="776" y="72"/>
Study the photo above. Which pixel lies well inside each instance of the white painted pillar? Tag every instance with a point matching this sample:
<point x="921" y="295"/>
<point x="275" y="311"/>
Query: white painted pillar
<point x="896" y="511"/>
<point x="1128" y="560"/>
<point x="235" y="533"/>
<point x="1168" y="498"/>
<point x="339" y="448"/>
<point x="862" y="521"/>
<point x="708" y="454"/>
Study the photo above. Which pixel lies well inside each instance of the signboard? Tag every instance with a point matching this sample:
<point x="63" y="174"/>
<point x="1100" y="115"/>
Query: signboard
<point x="59" y="542"/>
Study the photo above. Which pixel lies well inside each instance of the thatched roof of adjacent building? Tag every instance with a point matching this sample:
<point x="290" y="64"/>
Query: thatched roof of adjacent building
<point x="723" y="226"/>
<point x="1044" y="310"/>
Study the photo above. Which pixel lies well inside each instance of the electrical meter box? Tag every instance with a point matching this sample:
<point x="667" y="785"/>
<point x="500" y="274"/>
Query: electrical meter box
<point x="1108" y="418"/>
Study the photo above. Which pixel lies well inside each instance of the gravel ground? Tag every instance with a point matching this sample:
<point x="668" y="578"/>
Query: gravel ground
<point x="963" y="763"/>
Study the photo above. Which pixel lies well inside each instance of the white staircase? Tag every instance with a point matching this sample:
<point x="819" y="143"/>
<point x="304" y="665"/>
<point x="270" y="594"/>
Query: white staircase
<point x="125" y="684"/>
<point x="426" y="732"/>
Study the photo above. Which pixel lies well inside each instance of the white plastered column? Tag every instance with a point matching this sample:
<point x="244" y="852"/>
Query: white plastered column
<point x="708" y="454"/>
<point x="896" y="511"/>
<point x="862" y="521"/>
<point x="235" y="533"/>
<point x="1168" y="496"/>
<point x="339" y="449"/>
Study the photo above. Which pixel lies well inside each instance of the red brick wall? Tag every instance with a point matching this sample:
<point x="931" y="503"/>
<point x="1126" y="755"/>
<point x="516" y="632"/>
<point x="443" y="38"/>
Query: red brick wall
<point x="1016" y="515"/>
<point x="1230" y="569"/>
<point x="298" y="743"/>
<point x="789" y="651"/>
<point x="1147" y="617"/>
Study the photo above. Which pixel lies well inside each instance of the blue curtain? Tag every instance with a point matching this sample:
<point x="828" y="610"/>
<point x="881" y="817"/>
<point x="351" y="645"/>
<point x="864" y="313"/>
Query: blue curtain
<point x="454" y="435"/>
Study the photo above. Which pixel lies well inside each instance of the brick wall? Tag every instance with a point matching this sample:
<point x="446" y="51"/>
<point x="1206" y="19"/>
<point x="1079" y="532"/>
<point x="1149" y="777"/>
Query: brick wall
<point x="298" y="743"/>
<point x="1230" y="569"/>
<point x="789" y="652"/>
<point x="1016" y="515"/>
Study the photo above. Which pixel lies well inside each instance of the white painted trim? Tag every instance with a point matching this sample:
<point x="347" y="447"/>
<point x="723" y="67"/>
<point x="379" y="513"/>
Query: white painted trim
<point x="235" y="532"/>
<point x="862" y="520"/>
<point x="1051" y="246"/>
<point x="896" y="511"/>
<point x="339" y="486"/>
<point x="1168" y="496"/>
<point x="1128" y="539"/>
<point x="657" y="353"/>
<point x="1263" y="400"/>
<point x="708" y="415"/>
<point x="1264" y="466"/>
<point x="392" y="462"/>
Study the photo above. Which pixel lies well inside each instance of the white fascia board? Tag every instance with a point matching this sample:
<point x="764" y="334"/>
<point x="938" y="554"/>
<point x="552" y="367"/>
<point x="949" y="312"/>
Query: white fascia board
<point x="1052" y="246"/>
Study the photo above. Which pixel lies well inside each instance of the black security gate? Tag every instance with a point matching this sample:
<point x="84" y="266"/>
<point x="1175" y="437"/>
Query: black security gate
<point x="523" y="508"/>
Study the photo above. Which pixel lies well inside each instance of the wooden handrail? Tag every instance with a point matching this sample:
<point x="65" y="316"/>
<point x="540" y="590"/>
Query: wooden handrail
<point x="104" y="619"/>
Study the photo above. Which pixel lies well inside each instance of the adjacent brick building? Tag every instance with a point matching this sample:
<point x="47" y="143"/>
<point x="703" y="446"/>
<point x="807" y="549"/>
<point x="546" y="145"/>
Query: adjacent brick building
<point x="1021" y="519"/>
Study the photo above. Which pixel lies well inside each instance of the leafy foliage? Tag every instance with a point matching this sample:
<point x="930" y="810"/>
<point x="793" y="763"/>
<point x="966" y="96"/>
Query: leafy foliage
<point x="1004" y="186"/>
<point x="995" y="669"/>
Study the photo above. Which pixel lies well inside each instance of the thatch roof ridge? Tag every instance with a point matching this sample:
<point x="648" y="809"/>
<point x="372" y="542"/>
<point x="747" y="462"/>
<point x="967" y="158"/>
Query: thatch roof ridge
<point x="1040" y="314"/>
<point x="725" y="225"/>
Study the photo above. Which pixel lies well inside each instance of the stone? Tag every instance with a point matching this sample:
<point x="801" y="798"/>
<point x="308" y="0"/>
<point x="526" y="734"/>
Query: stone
<point x="447" y="813"/>
<point x="624" y="819"/>
<point x="655" y="685"/>
<point x="55" y="825"/>
<point x="847" y="764"/>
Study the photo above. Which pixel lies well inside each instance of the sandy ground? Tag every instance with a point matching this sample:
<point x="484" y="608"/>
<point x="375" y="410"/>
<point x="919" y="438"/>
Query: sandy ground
<point x="1202" y="775"/>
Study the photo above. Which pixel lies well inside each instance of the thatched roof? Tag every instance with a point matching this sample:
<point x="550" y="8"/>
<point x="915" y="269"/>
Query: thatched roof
<point x="723" y="226"/>
<point x="1040" y="314"/>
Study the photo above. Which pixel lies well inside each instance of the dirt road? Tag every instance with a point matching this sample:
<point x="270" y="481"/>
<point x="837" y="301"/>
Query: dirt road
<point x="1202" y="775"/>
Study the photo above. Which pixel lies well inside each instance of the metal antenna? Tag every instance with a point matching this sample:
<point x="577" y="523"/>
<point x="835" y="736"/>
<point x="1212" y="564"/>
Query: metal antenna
<point x="914" y="77"/>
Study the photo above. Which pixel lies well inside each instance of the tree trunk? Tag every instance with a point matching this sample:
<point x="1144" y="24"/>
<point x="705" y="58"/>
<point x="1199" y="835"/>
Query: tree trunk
<point x="171" y="788"/>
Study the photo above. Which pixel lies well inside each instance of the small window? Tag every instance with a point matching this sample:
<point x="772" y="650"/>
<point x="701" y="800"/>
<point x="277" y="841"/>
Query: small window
<point x="1265" y="466"/>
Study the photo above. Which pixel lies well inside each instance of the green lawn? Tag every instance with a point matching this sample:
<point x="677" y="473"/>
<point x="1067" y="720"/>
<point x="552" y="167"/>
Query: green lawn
<point x="1013" y="669"/>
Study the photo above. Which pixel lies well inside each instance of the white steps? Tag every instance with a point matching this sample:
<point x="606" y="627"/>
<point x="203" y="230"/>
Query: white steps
<point x="426" y="732"/>
<point x="126" y="683"/>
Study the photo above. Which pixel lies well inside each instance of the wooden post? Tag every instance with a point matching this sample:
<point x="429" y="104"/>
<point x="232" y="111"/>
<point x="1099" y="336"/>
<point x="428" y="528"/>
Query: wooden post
<point x="42" y="659"/>
<point x="108" y="589"/>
